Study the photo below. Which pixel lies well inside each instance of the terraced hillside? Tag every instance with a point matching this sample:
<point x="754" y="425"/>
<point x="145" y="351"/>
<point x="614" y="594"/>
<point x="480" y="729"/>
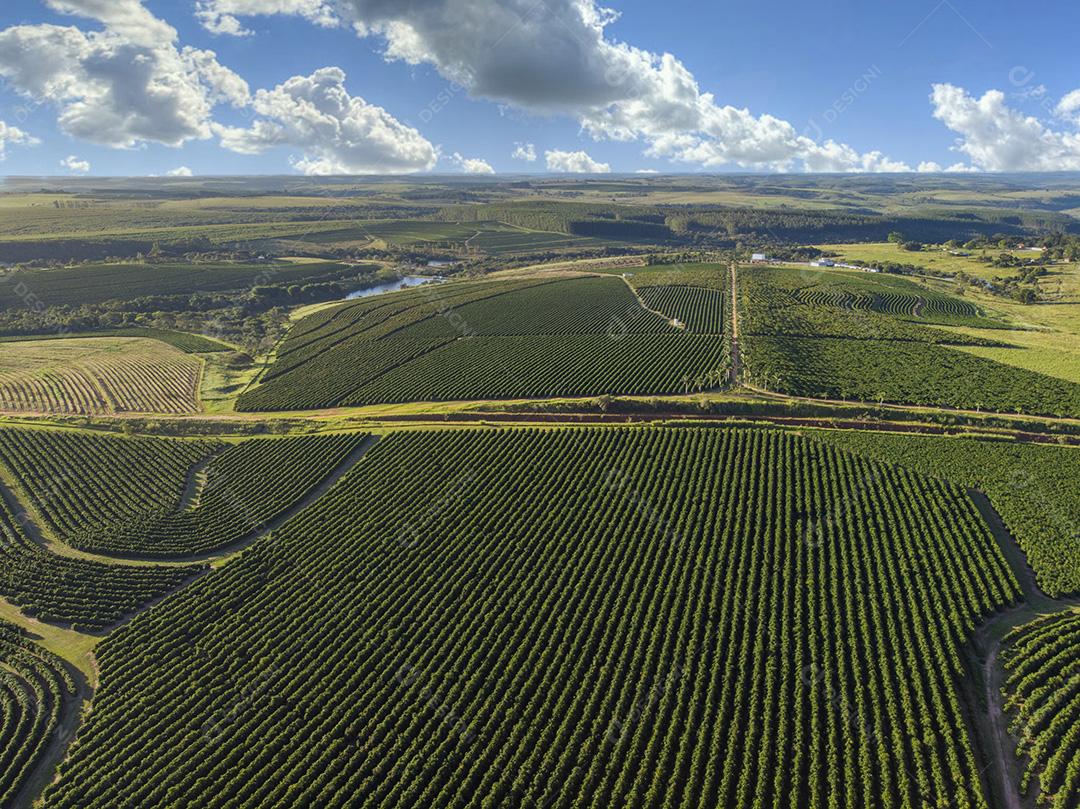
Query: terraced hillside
<point x="580" y="617"/>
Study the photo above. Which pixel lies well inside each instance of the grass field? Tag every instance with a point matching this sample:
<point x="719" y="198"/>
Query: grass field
<point x="938" y="260"/>
<point x="98" y="375"/>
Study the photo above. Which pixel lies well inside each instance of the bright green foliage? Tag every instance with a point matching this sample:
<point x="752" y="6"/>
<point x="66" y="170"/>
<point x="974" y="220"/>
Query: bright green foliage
<point x="35" y="690"/>
<point x="822" y="336"/>
<point x="701" y="311"/>
<point x="1033" y="487"/>
<point x="903" y="372"/>
<point x="595" y="617"/>
<point x="75" y="480"/>
<point x="329" y="378"/>
<point x="789" y="302"/>
<point x="1042" y="660"/>
<point x="576" y="306"/>
<point x="544" y="365"/>
<point x="64" y="590"/>
<point x="245" y="487"/>
<point x="486" y="340"/>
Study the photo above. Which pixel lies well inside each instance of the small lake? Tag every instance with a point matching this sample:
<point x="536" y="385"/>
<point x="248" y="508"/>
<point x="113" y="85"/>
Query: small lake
<point x="393" y="286"/>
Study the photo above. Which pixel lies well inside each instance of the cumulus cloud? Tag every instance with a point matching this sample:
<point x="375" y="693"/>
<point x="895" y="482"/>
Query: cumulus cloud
<point x="574" y="163"/>
<point x="73" y="163"/>
<point x="180" y="171"/>
<point x="127" y="84"/>
<point x="12" y="135"/>
<point x="221" y="16"/>
<point x="554" y="57"/>
<point x="337" y="133"/>
<point x="997" y="137"/>
<point x="524" y="151"/>
<point x="471" y="165"/>
<point x="646" y="171"/>
<point x="1069" y="106"/>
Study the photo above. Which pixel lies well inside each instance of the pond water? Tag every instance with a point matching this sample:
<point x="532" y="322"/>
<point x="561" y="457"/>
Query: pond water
<point x="393" y="286"/>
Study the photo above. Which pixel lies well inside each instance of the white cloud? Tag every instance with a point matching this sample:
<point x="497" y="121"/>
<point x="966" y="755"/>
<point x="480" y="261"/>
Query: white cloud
<point x="125" y="18"/>
<point x="524" y="151"/>
<point x="337" y="133"/>
<point x="180" y="171"/>
<point x="127" y="84"/>
<point x="929" y="167"/>
<point x="1069" y="106"/>
<point x="471" y="165"/>
<point x="73" y="163"/>
<point x="646" y="171"/>
<point x="220" y="16"/>
<point x="14" y="136"/>
<point x="574" y="163"/>
<point x="999" y="138"/>
<point x="554" y="57"/>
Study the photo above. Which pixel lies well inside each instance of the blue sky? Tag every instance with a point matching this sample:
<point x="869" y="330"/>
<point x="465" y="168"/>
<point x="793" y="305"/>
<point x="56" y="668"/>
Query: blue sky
<point x="859" y="75"/>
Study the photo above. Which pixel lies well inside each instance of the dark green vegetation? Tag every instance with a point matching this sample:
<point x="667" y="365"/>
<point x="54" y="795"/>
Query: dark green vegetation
<point x="668" y="617"/>
<point x="63" y="590"/>
<point x="157" y="498"/>
<point x="238" y="493"/>
<point x="1033" y="487"/>
<point x="239" y="300"/>
<point x="98" y="283"/>
<point x="484" y="340"/>
<point x="1043" y="693"/>
<point x="843" y="335"/>
<point x="701" y="311"/>
<point x="35" y="689"/>
<point x="74" y="480"/>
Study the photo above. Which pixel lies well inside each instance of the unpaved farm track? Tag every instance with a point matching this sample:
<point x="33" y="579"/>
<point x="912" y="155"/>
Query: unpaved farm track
<point x="992" y="723"/>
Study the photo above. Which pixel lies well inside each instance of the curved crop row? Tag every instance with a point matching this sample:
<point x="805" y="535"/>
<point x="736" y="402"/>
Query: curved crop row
<point x="34" y="692"/>
<point x="245" y="487"/>
<point x="582" y="617"/>
<point x="77" y="480"/>
<point x="64" y="590"/>
<point x="98" y="375"/>
<point x="1042" y="662"/>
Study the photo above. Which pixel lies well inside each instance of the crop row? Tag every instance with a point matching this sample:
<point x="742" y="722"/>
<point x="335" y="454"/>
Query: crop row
<point x="76" y="480"/>
<point x="104" y="375"/>
<point x="903" y="373"/>
<point x="35" y="690"/>
<point x="1042" y="661"/>
<point x="575" y="306"/>
<point x="699" y="310"/>
<point x="65" y="590"/>
<point x="583" y="617"/>
<point x="543" y="366"/>
<point x="245" y="488"/>
<point x="1032" y="486"/>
